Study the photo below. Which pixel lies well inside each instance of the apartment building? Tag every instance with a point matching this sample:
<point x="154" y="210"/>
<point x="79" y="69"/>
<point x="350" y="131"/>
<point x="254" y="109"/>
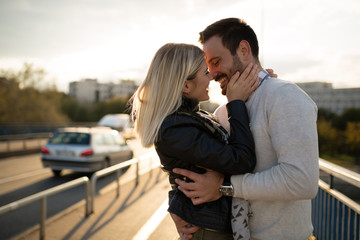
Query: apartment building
<point x="90" y="90"/>
<point x="336" y="100"/>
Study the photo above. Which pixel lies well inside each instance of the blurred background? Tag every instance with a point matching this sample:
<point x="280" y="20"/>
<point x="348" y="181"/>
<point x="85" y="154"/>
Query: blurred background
<point x="51" y="50"/>
<point x="303" y="40"/>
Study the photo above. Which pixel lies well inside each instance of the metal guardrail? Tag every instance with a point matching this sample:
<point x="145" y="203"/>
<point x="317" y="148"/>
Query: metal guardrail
<point x="42" y="196"/>
<point x="117" y="168"/>
<point x="106" y="171"/>
<point x="334" y="215"/>
<point x="13" y="128"/>
<point x="337" y="171"/>
<point x="90" y="190"/>
<point x="23" y="141"/>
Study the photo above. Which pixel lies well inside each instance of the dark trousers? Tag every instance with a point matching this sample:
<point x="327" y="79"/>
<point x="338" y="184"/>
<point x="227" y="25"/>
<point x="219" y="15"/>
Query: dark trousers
<point x="203" y="234"/>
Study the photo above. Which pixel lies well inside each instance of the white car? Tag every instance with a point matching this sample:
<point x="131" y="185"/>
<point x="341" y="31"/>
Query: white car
<point x="120" y="122"/>
<point x="84" y="149"/>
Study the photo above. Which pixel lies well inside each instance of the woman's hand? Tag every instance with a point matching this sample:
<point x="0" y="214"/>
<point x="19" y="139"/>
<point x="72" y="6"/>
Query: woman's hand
<point x="184" y="229"/>
<point x="240" y="87"/>
<point x="271" y="72"/>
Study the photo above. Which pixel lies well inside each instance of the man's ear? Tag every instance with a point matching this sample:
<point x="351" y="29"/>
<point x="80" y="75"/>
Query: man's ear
<point x="244" y="51"/>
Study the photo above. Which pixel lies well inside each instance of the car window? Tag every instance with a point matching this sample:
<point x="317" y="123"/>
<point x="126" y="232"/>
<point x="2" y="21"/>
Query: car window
<point x="70" y="138"/>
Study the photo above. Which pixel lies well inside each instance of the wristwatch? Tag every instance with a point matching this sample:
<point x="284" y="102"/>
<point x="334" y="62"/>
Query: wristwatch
<point x="227" y="188"/>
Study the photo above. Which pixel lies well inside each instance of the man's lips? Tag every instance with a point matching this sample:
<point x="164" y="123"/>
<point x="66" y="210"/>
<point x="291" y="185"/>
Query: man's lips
<point x="222" y="82"/>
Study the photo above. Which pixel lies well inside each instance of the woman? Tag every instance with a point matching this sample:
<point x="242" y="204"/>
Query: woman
<point x="166" y="113"/>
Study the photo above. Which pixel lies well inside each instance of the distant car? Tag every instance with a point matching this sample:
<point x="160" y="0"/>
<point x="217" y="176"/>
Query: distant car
<point x="84" y="149"/>
<point x="116" y="121"/>
<point x="120" y="122"/>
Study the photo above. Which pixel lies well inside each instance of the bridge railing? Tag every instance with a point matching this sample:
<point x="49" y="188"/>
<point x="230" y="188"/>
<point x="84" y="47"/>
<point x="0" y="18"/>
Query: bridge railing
<point x="334" y="215"/>
<point x="90" y="187"/>
<point x="42" y="196"/>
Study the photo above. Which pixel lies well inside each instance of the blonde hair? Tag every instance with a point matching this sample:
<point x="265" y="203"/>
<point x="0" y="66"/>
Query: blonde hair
<point x="160" y="94"/>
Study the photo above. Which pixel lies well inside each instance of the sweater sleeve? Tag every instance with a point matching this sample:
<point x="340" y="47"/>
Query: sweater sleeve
<point x="188" y="143"/>
<point x="291" y="117"/>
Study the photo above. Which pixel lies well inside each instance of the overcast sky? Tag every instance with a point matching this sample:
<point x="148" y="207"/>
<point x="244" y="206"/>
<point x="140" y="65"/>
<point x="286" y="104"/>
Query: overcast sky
<point x="303" y="40"/>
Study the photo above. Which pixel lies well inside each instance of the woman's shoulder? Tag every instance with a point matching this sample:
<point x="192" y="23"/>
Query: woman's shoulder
<point x="178" y="119"/>
<point x="175" y="125"/>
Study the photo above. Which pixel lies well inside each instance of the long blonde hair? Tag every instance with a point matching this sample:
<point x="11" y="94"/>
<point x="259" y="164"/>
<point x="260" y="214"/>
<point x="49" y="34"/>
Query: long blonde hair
<point x="160" y="94"/>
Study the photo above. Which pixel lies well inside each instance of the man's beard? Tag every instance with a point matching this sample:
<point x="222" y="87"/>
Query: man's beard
<point x="236" y="66"/>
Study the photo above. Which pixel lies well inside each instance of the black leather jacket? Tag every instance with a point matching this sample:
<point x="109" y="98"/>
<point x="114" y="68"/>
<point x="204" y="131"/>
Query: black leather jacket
<point x="187" y="139"/>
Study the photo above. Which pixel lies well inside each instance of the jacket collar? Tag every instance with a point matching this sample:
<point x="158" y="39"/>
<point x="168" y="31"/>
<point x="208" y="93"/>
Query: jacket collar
<point x="189" y="105"/>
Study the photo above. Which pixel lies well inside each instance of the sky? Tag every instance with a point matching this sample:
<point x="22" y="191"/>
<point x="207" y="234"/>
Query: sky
<point x="302" y="40"/>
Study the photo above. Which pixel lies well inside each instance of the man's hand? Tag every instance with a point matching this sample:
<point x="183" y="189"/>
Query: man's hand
<point x="205" y="187"/>
<point x="184" y="229"/>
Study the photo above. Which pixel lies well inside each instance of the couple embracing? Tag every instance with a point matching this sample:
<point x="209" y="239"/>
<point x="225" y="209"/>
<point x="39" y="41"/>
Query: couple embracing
<point x="248" y="171"/>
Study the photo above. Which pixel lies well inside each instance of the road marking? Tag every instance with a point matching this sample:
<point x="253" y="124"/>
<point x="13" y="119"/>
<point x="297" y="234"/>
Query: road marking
<point x="24" y="175"/>
<point x="153" y="222"/>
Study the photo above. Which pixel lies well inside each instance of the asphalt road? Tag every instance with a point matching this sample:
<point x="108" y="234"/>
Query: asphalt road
<point x="22" y="176"/>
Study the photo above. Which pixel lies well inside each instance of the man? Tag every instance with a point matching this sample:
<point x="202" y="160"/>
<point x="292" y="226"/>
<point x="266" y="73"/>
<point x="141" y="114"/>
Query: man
<point x="283" y="123"/>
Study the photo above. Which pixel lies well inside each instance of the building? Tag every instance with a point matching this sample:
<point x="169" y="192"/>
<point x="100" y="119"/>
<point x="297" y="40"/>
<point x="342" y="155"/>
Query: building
<point x="90" y="91"/>
<point x="336" y="100"/>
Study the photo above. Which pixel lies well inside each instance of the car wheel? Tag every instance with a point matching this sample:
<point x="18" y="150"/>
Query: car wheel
<point x="56" y="173"/>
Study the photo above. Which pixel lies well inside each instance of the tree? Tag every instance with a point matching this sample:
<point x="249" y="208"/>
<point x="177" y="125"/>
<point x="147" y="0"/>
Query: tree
<point x="350" y="115"/>
<point x="75" y="111"/>
<point x="352" y="135"/>
<point x="25" y="98"/>
<point x="113" y="105"/>
<point x="330" y="140"/>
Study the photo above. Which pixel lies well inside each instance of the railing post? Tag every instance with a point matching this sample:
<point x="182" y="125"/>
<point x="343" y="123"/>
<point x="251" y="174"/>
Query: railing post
<point x="137" y="172"/>
<point x="117" y="183"/>
<point x="88" y="199"/>
<point x="331" y="181"/>
<point x="43" y="217"/>
<point x="92" y="192"/>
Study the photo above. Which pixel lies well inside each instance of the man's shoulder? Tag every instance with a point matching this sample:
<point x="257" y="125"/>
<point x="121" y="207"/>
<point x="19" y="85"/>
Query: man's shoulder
<point x="276" y="83"/>
<point x="280" y="87"/>
<point x="287" y="91"/>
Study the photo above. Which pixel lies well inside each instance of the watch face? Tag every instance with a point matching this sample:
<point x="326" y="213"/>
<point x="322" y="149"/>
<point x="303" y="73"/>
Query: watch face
<point x="227" y="190"/>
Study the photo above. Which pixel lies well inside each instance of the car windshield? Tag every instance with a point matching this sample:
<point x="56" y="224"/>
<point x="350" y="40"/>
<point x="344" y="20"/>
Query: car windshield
<point x="70" y="138"/>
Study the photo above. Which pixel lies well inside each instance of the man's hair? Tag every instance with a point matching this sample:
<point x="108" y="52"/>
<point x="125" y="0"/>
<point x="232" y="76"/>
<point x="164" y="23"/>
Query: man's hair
<point x="160" y="94"/>
<point x="232" y="31"/>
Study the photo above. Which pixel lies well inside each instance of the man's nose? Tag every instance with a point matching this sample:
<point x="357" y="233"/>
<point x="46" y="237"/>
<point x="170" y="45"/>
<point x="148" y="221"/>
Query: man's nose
<point x="213" y="73"/>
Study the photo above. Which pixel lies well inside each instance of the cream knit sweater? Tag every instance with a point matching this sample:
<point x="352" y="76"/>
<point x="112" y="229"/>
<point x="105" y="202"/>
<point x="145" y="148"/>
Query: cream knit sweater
<point x="283" y="123"/>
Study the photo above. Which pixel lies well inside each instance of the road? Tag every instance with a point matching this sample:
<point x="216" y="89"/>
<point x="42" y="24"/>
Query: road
<point x="22" y="176"/>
